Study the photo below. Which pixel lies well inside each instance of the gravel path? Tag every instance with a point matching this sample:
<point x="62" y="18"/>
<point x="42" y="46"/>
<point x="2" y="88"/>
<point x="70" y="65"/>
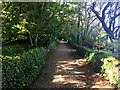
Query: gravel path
<point x="65" y="69"/>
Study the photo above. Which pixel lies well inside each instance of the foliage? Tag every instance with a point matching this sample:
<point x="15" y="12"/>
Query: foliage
<point x="31" y="25"/>
<point x="83" y="51"/>
<point x="53" y="46"/>
<point x="19" y="71"/>
<point x="107" y="63"/>
<point x="21" y="68"/>
<point x="35" y="22"/>
<point x="96" y="60"/>
<point x="117" y="83"/>
<point x="73" y="44"/>
<point x="72" y="40"/>
<point x="13" y="26"/>
<point x="104" y="63"/>
<point x="88" y="42"/>
<point x="40" y="24"/>
<point x="109" y="68"/>
<point x="15" y="48"/>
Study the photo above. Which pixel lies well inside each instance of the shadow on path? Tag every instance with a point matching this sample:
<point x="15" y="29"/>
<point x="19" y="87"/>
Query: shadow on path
<point x="65" y="69"/>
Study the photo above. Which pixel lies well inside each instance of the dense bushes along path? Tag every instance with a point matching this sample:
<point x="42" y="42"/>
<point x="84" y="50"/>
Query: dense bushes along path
<point x="65" y="69"/>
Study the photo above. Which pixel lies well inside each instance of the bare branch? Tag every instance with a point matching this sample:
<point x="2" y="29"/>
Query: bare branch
<point x="91" y="22"/>
<point x="118" y="27"/>
<point x="93" y="28"/>
<point x="102" y="19"/>
<point x="95" y="12"/>
<point x="105" y="8"/>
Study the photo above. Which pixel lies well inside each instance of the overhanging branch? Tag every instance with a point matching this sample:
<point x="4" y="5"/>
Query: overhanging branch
<point x="105" y="8"/>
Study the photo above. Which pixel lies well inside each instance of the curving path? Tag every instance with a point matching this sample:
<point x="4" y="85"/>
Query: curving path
<point x="65" y="69"/>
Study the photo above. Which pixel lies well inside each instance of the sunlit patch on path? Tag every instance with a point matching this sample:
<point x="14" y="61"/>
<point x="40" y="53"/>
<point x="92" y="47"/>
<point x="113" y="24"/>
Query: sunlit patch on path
<point x="65" y="69"/>
<point x="79" y="73"/>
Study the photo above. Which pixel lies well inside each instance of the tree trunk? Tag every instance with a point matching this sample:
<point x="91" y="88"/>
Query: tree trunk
<point x="78" y="36"/>
<point x="36" y="38"/>
<point x="31" y="42"/>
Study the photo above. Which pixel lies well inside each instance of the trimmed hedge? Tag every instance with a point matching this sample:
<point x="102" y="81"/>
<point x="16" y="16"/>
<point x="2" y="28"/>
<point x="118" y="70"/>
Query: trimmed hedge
<point x="19" y="71"/>
<point x="15" y="48"/>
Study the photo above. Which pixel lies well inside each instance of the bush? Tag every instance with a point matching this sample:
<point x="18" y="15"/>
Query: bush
<point x="104" y="63"/>
<point x="53" y="46"/>
<point x="72" y="40"/>
<point x="96" y="59"/>
<point x="14" y="49"/>
<point x="73" y="44"/>
<point x="107" y="62"/>
<point x="19" y="71"/>
<point x="111" y="70"/>
<point x="88" y="42"/>
<point x="83" y="51"/>
<point x="107" y="52"/>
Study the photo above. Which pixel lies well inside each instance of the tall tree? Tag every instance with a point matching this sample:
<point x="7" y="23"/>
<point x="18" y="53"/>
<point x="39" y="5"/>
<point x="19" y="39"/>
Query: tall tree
<point x="108" y="18"/>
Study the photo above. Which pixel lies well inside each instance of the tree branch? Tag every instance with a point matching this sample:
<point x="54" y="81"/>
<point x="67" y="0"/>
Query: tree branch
<point x="104" y="25"/>
<point x="118" y="27"/>
<point x="55" y="29"/>
<point x="105" y="8"/>
<point x="93" y="28"/>
<point x="95" y="12"/>
<point x="92" y="22"/>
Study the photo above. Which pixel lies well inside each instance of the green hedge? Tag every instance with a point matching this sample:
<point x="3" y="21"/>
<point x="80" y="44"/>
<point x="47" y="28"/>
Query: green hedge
<point x="19" y="71"/>
<point x="15" y="48"/>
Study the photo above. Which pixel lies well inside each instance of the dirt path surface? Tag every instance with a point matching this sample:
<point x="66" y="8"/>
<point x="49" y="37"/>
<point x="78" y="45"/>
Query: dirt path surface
<point x="65" y="69"/>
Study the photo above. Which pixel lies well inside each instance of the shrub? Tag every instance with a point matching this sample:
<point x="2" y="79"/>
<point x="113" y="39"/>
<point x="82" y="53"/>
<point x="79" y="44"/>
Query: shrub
<point x="107" y="53"/>
<point x="83" y="51"/>
<point x="96" y="59"/>
<point x="107" y="62"/>
<point x="88" y="42"/>
<point x="53" y="46"/>
<point x="73" y="44"/>
<point x="14" y="49"/>
<point x="104" y="62"/>
<point x="111" y="70"/>
<point x="19" y="71"/>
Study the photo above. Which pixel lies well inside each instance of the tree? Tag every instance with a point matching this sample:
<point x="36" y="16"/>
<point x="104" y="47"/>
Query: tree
<point x="36" y="22"/>
<point x="108" y="19"/>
